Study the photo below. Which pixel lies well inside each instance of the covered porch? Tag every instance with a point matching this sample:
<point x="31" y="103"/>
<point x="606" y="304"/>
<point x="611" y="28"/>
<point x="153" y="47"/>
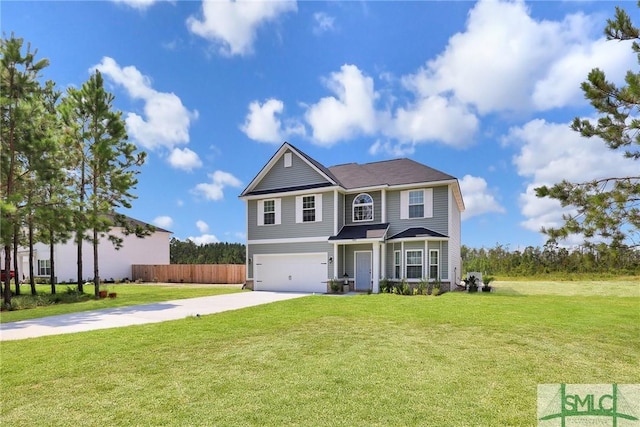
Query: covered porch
<point x="359" y="254"/>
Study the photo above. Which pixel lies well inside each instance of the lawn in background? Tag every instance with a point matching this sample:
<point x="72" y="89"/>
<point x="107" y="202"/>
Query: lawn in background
<point x="369" y="360"/>
<point x="127" y="294"/>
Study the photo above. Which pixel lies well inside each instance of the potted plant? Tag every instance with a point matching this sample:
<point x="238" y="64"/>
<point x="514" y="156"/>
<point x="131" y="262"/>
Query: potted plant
<point x="472" y="284"/>
<point x="334" y="286"/>
<point x="345" y="285"/>
<point x="487" y="280"/>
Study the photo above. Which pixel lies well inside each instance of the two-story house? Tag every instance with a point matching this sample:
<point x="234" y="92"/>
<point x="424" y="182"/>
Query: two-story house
<point x="307" y="224"/>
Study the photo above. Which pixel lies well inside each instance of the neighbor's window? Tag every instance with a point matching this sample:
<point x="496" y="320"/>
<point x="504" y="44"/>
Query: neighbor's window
<point x="363" y="208"/>
<point x="397" y="268"/>
<point x="416" y="204"/>
<point x="308" y="209"/>
<point x="414" y="264"/>
<point x="433" y="264"/>
<point x="269" y="212"/>
<point x="44" y="267"/>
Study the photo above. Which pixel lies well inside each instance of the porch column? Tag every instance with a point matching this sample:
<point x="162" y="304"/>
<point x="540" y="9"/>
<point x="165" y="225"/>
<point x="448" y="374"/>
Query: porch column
<point x="376" y="267"/>
<point x="335" y="261"/>
<point x="383" y="260"/>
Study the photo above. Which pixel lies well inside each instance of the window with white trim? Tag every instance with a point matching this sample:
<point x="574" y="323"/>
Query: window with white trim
<point x="362" y="208"/>
<point x="44" y="267"/>
<point x="309" y="208"/>
<point x="269" y="212"/>
<point x="413" y="264"/>
<point x="434" y="270"/>
<point x="416" y="203"/>
<point x="397" y="264"/>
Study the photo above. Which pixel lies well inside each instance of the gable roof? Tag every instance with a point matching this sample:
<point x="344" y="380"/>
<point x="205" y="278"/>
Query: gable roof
<point x="314" y="164"/>
<point x="387" y="172"/>
<point x="416" y="232"/>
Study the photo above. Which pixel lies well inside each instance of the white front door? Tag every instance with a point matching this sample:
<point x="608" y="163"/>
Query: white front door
<point x="363" y="271"/>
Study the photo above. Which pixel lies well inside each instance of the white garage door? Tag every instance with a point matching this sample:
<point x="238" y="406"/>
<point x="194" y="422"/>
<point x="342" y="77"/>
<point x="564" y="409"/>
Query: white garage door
<point x="291" y="272"/>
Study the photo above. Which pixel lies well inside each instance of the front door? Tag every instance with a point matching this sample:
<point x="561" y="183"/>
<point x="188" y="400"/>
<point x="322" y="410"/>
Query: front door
<point x="363" y="271"/>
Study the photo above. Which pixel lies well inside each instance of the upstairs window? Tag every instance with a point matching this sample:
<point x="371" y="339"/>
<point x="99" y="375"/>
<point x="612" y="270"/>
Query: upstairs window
<point x="309" y="208"/>
<point x="269" y="212"/>
<point x="416" y="203"/>
<point x="363" y="208"/>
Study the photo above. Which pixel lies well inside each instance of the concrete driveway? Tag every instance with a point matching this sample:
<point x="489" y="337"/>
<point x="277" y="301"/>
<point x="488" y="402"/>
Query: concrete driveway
<point x="138" y="314"/>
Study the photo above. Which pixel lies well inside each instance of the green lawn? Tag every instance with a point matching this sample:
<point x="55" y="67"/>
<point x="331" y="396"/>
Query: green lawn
<point x="368" y="360"/>
<point x="127" y="294"/>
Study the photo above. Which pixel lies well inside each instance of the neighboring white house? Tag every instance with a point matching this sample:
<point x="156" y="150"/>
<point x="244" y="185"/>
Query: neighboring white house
<point x="113" y="264"/>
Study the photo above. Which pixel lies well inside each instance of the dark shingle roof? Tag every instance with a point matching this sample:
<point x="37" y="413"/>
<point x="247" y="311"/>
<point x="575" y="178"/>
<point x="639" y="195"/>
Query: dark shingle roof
<point x="388" y="172"/>
<point x="354" y="232"/>
<point x="416" y="232"/>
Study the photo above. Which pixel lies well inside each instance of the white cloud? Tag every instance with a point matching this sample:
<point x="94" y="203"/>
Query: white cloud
<point x="505" y="60"/>
<point x="351" y="112"/>
<point x="166" y="121"/>
<point x="552" y="152"/>
<point x="434" y="118"/>
<point x="185" y="159"/>
<point x="139" y="4"/>
<point x="204" y="239"/>
<point x="561" y="84"/>
<point x="323" y="22"/>
<point x="214" y="190"/>
<point x="203" y="227"/>
<point x="233" y="24"/>
<point x="478" y="199"/>
<point x="263" y="125"/>
<point x="163" y="221"/>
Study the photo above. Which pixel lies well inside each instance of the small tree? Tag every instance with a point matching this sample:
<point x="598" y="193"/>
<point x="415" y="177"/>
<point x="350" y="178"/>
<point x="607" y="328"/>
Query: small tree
<point x="608" y="207"/>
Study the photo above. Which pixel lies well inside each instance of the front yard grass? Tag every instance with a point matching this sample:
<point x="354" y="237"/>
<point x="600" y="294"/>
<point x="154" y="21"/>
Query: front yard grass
<point x="368" y="360"/>
<point x="127" y="294"/>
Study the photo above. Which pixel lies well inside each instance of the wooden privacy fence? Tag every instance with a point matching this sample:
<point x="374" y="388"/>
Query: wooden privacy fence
<point x="190" y="273"/>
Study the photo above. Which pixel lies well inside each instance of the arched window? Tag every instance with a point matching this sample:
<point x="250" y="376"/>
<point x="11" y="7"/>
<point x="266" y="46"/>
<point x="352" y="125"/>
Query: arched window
<point x="362" y="208"/>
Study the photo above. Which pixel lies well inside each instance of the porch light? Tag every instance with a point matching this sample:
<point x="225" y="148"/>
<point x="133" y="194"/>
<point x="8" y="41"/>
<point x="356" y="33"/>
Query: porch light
<point x="330" y="260"/>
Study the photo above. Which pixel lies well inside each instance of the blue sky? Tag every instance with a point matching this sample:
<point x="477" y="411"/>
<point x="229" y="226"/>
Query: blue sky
<point x="483" y="91"/>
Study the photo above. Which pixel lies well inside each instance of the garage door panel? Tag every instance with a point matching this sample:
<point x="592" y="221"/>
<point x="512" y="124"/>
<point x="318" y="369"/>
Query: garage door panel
<point x="291" y="272"/>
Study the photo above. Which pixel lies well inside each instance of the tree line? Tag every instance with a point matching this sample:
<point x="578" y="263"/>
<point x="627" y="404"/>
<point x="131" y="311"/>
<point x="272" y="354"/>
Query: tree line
<point x="599" y="259"/>
<point x="66" y="163"/>
<point x="187" y="252"/>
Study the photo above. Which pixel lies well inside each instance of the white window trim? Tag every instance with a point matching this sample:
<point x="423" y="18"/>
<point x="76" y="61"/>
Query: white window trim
<point x="437" y="251"/>
<point x="427" y="198"/>
<point x="397" y="256"/>
<point x="318" y="208"/>
<point x="278" y="205"/>
<point x="407" y="265"/>
<point x="353" y="208"/>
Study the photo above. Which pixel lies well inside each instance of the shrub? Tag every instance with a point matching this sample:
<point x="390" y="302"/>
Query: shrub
<point x="385" y="286"/>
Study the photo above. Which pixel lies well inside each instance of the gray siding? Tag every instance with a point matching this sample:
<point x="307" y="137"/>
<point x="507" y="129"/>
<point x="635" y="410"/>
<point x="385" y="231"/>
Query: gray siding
<point x="287" y="248"/>
<point x="439" y="222"/>
<point x="443" y="247"/>
<point x="341" y="198"/>
<point x="349" y="258"/>
<point x="288" y="228"/>
<point x="300" y="173"/>
<point x="377" y="208"/>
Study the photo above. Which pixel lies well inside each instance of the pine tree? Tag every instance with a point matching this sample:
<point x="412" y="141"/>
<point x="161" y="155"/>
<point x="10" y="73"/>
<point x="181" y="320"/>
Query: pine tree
<point x="608" y="207"/>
